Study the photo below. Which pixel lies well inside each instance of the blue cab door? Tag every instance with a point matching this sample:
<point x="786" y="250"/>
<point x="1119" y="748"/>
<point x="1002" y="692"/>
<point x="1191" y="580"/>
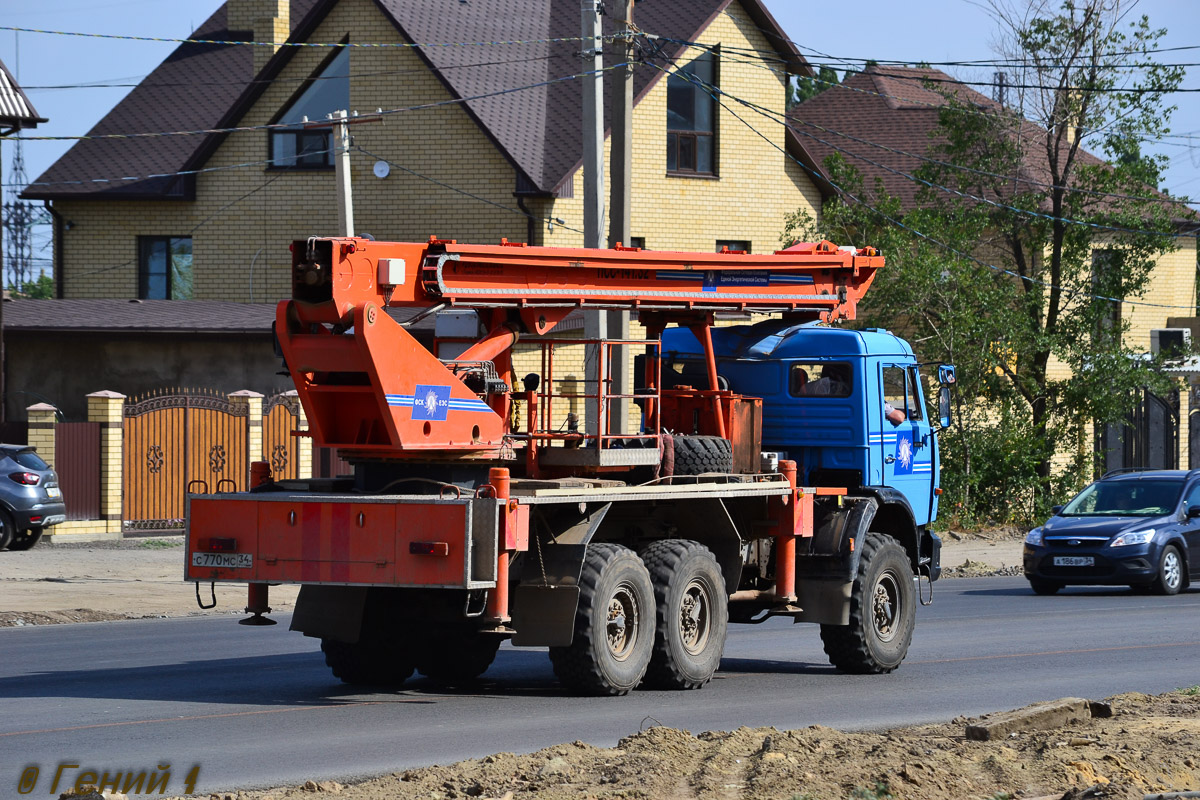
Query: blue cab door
<point x="902" y="435"/>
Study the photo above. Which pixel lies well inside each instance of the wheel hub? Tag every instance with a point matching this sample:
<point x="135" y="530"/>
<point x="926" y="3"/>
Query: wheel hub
<point x="622" y="622"/>
<point x="885" y="606"/>
<point x="695" y="610"/>
<point x="1171" y="570"/>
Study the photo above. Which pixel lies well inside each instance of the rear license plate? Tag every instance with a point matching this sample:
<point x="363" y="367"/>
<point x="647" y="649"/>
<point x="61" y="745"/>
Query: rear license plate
<point x="54" y="492"/>
<point x="1074" y="561"/>
<point x="225" y="560"/>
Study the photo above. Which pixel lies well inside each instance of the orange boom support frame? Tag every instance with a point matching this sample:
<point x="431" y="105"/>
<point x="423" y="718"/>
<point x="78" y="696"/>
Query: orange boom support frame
<point x="378" y="393"/>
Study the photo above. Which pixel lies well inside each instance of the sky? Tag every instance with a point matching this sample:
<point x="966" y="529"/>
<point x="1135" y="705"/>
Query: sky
<point x="942" y="30"/>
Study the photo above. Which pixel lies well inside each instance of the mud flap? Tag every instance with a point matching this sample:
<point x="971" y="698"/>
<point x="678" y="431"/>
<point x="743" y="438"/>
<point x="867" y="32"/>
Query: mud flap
<point x="330" y="612"/>
<point x="543" y="604"/>
<point x="825" y="572"/>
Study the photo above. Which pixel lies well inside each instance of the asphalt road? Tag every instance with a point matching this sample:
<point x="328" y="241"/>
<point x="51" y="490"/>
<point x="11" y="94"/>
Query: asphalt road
<point x="257" y="707"/>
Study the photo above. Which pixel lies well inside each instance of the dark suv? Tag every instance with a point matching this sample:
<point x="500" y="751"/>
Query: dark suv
<point x="30" y="500"/>
<point x="1131" y="527"/>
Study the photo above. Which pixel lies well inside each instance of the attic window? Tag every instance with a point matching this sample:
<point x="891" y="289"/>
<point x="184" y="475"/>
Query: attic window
<point x="692" y="117"/>
<point x="300" y="148"/>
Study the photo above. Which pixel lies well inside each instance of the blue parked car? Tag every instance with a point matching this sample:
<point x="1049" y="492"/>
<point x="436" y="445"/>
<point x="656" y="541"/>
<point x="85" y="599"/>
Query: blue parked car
<point x="1133" y="528"/>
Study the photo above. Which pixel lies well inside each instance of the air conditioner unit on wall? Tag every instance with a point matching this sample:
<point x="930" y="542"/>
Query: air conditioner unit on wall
<point x="1170" y="341"/>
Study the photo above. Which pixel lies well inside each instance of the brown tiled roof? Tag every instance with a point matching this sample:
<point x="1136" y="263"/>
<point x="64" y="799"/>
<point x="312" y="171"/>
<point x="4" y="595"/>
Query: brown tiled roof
<point x="137" y="316"/>
<point x="173" y="317"/>
<point x="538" y="130"/>
<point x="15" y="109"/>
<point x="897" y="107"/>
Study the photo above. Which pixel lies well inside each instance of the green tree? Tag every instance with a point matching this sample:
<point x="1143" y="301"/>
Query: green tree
<point x="805" y="88"/>
<point x="40" y="289"/>
<point x="1007" y="282"/>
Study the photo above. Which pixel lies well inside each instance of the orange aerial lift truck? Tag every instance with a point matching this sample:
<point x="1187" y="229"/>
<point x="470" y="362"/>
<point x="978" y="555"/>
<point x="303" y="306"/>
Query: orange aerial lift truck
<point x="786" y="468"/>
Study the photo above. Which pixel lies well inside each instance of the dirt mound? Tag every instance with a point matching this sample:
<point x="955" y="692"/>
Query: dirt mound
<point x="16" y="619"/>
<point x="1149" y="744"/>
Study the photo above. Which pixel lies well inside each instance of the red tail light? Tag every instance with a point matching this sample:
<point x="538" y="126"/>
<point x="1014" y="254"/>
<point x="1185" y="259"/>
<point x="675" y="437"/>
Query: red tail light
<point x="219" y="545"/>
<point x="26" y="478"/>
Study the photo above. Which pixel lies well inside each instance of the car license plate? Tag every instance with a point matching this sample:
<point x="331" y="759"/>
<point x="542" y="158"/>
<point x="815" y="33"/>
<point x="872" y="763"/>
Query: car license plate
<point x="226" y="560"/>
<point x="53" y="491"/>
<point x="1074" y="561"/>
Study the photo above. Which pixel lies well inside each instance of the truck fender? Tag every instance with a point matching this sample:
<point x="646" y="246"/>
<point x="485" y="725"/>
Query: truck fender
<point x="826" y="569"/>
<point x="547" y="593"/>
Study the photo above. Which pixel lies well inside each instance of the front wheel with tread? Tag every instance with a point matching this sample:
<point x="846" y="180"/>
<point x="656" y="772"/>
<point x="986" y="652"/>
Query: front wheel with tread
<point x="26" y="539"/>
<point x="1170" y="572"/>
<point x="8" y="528"/>
<point x="692" y="614"/>
<point x="1044" y="587"/>
<point x="614" y="628"/>
<point x="882" y="611"/>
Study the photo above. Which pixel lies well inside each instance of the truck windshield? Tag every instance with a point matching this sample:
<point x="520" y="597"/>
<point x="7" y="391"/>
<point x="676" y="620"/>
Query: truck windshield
<point x="1128" y="498"/>
<point x="820" y="379"/>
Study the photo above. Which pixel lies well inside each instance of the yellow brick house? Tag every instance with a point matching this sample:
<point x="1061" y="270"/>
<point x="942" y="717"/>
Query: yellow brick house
<point x="480" y="139"/>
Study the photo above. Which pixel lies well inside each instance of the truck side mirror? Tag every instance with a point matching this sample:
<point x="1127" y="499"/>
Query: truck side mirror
<point x="944" y="406"/>
<point x="946" y="374"/>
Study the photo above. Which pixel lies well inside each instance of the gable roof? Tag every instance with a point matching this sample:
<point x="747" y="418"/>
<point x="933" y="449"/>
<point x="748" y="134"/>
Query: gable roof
<point x="15" y="109"/>
<point x="898" y="108"/>
<point x="538" y="130"/>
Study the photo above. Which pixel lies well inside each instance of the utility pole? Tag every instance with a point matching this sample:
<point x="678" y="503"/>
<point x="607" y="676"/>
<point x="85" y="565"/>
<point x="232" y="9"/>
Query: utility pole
<point x="620" y="199"/>
<point x="341" y="164"/>
<point x="593" y="125"/>
<point x="595" y="323"/>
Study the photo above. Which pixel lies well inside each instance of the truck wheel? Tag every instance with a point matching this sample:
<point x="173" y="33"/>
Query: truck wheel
<point x="369" y="662"/>
<point x="8" y="528"/>
<point x="614" y="629"/>
<point x="26" y="539"/>
<point x="695" y="455"/>
<point x="457" y="657"/>
<point x="692" y="615"/>
<point x="882" y="611"/>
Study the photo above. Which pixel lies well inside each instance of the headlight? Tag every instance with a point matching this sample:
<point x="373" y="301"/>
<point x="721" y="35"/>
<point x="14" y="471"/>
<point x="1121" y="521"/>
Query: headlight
<point x="1034" y="537"/>
<point x="1135" y="537"/>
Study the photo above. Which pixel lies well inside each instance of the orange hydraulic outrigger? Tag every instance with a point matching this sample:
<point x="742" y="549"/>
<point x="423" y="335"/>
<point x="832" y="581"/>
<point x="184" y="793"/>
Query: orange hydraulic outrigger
<point x="372" y="390"/>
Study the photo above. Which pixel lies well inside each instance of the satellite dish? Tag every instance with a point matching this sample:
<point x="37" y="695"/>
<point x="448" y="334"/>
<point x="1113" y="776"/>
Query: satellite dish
<point x="382" y="169"/>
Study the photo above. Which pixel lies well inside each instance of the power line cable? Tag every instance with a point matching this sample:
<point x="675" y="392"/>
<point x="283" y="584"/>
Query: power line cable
<point x="224" y="42"/>
<point x="897" y="223"/>
<point x="292" y="125"/>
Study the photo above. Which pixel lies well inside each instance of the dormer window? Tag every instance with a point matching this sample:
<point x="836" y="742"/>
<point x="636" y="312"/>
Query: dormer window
<point x="691" y="118"/>
<point x="297" y="147"/>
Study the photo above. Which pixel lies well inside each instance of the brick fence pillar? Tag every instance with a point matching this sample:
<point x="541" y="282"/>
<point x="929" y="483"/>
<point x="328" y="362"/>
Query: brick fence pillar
<point x="42" y="419"/>
<point x="304" y="446"/>
<point x="253" y="402"/>
<point x="108" y="408"/>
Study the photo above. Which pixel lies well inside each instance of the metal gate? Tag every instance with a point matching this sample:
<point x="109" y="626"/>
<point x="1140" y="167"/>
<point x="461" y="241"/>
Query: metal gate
<point x="281" y="416"/>
<point x="77" y="462"/>
<point x="1149" y="437"/>
<point x="194" y="438"/>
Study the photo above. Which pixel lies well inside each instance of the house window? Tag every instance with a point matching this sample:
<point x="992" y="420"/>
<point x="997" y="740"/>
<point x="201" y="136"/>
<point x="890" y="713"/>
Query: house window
<point x="733" y="245"/>
<point x="1107" y="280"/>
<point x="165" y="267"/>
<point x="638" y="241"/>
<point x="298" y="148"/>
<point x="692" y="117"/>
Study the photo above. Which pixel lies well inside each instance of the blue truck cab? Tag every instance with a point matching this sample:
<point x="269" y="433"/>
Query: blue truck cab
<point x="848" y="406"/>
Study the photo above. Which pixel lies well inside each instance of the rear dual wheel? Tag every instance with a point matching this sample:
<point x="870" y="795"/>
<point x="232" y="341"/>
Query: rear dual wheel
<point x="692" y="614"/>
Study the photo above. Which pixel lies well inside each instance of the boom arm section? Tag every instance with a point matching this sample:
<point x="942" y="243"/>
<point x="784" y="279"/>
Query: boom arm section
<point x="372" y="390"/>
